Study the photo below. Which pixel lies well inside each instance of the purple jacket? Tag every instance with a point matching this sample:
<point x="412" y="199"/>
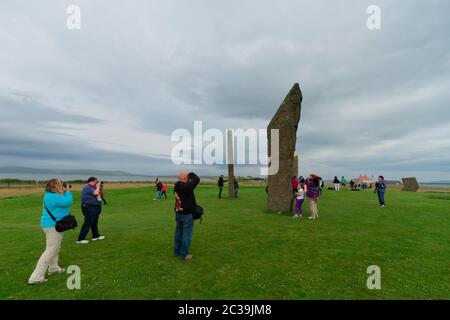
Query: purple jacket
<point x="312" y="189"/>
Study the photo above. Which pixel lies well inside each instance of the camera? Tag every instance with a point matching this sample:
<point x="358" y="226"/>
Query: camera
<point x="65" y="185"/>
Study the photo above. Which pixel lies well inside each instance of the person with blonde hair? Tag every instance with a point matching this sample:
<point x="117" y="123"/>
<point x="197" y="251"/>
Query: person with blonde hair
<point x="57" y="200"/>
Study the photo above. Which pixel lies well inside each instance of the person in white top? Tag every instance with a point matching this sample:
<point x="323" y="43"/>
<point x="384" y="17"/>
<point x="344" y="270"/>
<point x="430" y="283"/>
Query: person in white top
<point x="300" y="198"/>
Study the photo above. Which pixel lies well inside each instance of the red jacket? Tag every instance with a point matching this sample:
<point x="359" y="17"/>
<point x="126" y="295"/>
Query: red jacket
<point x="294" y="182"/>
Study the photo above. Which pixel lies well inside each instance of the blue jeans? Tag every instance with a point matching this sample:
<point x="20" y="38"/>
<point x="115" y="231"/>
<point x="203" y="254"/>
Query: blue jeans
<point x="183" y="234"/>
<point x="381" y="197"/>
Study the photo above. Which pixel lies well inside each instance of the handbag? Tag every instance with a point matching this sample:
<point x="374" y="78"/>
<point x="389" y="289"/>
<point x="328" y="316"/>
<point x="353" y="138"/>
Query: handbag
<point x="66" y="223"/>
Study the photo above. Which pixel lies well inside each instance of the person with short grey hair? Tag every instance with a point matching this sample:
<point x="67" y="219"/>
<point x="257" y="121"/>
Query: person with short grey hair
<point x="185" y="205"/>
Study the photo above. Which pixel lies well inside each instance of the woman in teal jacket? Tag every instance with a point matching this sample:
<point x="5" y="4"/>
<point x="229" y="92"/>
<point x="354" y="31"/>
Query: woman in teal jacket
<point x="58" y="200"/>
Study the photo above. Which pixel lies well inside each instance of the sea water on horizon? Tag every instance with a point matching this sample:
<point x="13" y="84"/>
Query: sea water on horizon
<point x="435" y="185"/>
<point x="135" y="178"/>
<point x="105" y="177"/>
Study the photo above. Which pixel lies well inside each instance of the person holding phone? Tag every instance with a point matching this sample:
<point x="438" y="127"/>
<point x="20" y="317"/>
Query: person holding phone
<point x="57" y="200"/>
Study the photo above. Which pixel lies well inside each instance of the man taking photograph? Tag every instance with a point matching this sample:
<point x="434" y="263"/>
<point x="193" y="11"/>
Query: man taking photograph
<point x="185" y="207"/>
<point x="220" y="184"/>
<point x="91" y="207"/>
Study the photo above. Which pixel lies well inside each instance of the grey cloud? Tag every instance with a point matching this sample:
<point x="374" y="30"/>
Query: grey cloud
<point x="168" y="63"/>
<point x="19" y="151"/>
<point x="21" y="108"/>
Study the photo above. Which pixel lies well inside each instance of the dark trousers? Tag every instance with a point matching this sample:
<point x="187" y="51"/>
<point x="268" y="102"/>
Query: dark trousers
<point x="183" y="234"/>
<point x="91" y="216"/>
<point x="381" y="197"/>
<point x="294" y="196"/>
<point x="220" y="192"/>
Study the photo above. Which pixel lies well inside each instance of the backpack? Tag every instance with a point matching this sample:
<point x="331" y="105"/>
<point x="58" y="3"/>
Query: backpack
<point x="198" y="213"/>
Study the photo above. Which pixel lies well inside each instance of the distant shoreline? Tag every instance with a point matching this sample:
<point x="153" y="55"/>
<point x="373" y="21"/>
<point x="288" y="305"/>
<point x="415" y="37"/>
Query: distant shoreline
<point x="6" y="180"/>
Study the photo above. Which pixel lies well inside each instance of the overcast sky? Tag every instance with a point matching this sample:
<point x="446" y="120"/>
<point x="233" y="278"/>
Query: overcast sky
<point x="108" y="96"/>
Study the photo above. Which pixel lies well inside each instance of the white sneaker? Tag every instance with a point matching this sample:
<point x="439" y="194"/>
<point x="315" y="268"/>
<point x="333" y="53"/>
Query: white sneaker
<point x="83" y="242"/>
<point x="60" y="271"/>
<point x="99" y="238"/>
<point x="37" y="282"/>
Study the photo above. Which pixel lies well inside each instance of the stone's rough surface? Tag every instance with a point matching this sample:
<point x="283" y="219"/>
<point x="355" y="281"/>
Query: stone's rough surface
<point x="230" y="160"/>
<point x="286" y="120"/>
<point x="231" y="193"/>
<point x="410" y="184"/>
<point x="295" y="172"/>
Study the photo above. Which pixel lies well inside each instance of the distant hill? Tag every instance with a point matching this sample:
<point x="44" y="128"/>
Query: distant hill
<point x="25" y="170"/>
<point x="437" y="182"/>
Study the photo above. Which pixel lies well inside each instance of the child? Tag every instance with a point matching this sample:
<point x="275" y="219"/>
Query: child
<point x="300" y="198"/>
<point x="236" y="187"/>
<point x="158" y="190"/>
<point x="163" y="190"/>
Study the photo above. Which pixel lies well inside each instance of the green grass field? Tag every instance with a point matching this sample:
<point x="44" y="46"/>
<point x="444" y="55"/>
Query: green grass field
<point x="241" y="251"/>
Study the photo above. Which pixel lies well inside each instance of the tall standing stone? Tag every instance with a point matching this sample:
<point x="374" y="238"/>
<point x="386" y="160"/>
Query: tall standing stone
<point x="295" y="172"/>
<point x="286" y="120"/>
<point x="230" y="158"/>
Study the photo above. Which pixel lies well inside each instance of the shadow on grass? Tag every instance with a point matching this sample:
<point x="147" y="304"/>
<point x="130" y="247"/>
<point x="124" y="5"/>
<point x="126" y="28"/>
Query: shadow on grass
<point x="442" y="196"/>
